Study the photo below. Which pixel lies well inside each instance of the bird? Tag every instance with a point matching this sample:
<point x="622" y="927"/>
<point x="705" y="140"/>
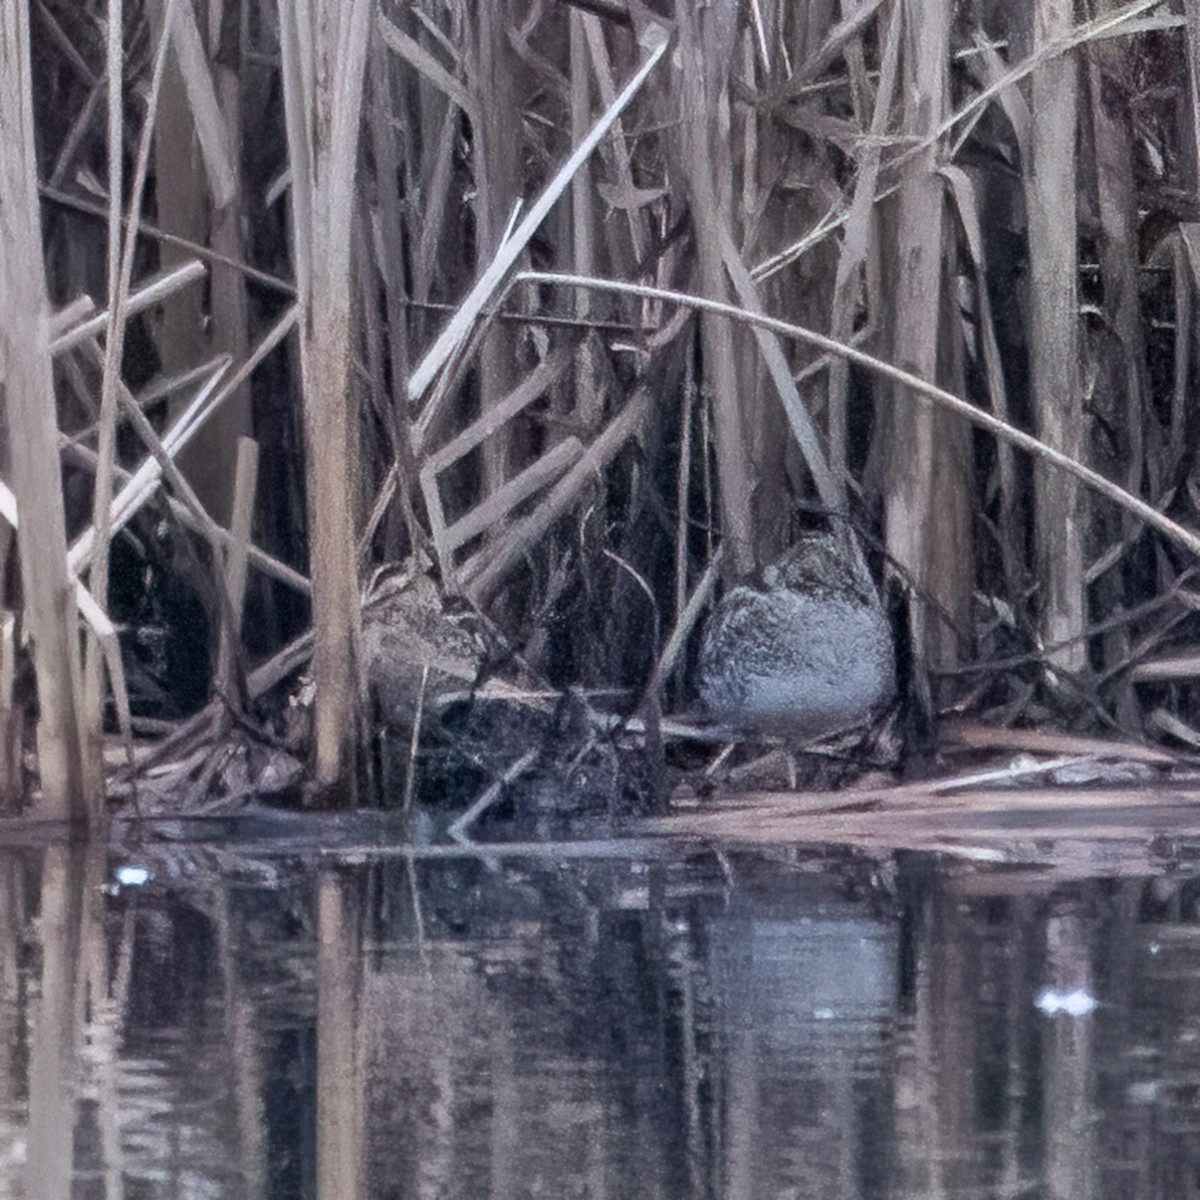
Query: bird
<point x="806" y="654"/>
<point x="415" y="641"/>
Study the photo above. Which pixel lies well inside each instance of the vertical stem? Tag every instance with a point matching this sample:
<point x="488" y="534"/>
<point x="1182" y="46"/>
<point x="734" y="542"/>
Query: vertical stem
<point x="324" y="45"/>
<point x="928" y="503"/>
<point x="1050" y="186"/>
<point x="589" y="396"/>
<point x="710" y="184"/>
<point x="244" y="487"/>
<point x="69" y="789"/>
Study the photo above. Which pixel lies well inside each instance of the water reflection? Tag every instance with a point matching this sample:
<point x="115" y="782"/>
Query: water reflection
<point x="237" y="1021"/>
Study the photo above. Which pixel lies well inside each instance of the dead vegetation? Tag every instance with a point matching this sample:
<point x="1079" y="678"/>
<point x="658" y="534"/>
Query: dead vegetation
<point x="595" y="305"/>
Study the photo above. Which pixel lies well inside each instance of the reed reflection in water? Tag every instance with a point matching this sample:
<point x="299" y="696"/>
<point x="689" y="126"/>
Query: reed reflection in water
<point x="249" y="1021"/>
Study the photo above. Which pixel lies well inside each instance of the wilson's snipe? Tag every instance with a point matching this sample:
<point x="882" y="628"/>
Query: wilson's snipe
<point x="808" y="653"/>
<point x="410" y="631"/>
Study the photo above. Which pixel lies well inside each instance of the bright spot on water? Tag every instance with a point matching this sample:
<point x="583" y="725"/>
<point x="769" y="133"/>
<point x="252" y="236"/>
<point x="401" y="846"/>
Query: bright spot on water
<point x="131" y="876"/>
<point x="1075" y="1003"/>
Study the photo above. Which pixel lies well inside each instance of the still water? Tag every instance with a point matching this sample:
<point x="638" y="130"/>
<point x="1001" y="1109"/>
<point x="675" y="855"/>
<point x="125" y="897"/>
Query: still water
<point x="259" y="1018"/>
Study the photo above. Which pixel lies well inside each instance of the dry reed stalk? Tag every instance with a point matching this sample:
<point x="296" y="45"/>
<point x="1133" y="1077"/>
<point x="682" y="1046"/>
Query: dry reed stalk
<point x="414" y="741"/>
<point x="422" y="61"/>
<point x="493" y="67"/>
<point x="10" y="716"/>
<point x="207" y="461"/>
<point x="324" y="48"/>
<point x="198" y="199"/>
<point x="80" y="128"/>
<point x="617" y="151"/>
<point x="150" y="470"/>
<point x="433" y="224"/>
<point x="849" y="286"/>
<point x="144" y="481"/>
<point x="683" y="480"/>
<point x="704" y="44"/>
<point x="1119" y="24"/>
<point x="148" y="230"/>
<point x="540" y="380"/>
<point x="927" y="502"/>
<point x="685" y="622"/>
<point x="966" y="201"/>
<point x="495" y="508"/>
<point x="388" y="238"/>
<point x="236" y="562"/>
<point x="163" y="456"/>
<point x="536" y="384"/>
<point x="1049" y="175"/>
<point x="829" y="487"/>
<point x="1191" y="26"/>
<point x="151" y="292"/>
<point x="493" y="792"/>
<point x="1121" y="388"/>
<point x="216" y="152"/>
<point x="72" y="786"/>
<point x="1181" y="355"/>
<point x="181" y="201"/>
<point x="266" y="563"/>
<point x="588" y="388"/>
<point x="93" y="615"/>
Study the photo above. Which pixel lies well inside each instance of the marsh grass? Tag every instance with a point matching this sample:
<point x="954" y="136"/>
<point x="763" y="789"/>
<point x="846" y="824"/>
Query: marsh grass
<point x="582" y="300"/>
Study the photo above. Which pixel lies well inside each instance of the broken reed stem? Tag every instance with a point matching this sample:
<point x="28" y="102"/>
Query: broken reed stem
<point x="1001" y="429"/>
<point x="152" y="292"/>
<point x="1049" y="178"/>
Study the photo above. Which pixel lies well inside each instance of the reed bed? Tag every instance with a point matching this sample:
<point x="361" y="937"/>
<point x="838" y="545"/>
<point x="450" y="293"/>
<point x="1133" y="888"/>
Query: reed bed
<point x="591" y="308"/>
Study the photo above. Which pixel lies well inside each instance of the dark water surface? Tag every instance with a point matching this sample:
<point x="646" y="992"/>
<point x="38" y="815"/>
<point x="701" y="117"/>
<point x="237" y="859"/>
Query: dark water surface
<point x="269" y="1020"/>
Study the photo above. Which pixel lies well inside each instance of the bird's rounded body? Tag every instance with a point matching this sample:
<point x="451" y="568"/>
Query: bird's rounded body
<point x="809" y="653"/>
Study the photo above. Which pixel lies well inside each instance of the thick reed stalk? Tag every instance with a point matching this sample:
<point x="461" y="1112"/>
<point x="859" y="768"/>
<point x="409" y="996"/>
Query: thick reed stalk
<point x="324" y="44"/>
<point x="71" y="787"/>
<point x="927" y="503"/>
<point x="1050" y="188"/>
<point x="708" y="170"/>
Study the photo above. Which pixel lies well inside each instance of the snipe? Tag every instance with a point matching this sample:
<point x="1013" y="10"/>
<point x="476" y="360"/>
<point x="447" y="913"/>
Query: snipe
<point x="409" y="631"/>
<point x="807" y="654"/>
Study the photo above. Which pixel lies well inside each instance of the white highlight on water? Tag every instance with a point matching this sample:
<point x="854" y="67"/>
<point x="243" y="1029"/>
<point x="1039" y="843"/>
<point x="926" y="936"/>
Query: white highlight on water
<point x="1054" y="1002"/>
